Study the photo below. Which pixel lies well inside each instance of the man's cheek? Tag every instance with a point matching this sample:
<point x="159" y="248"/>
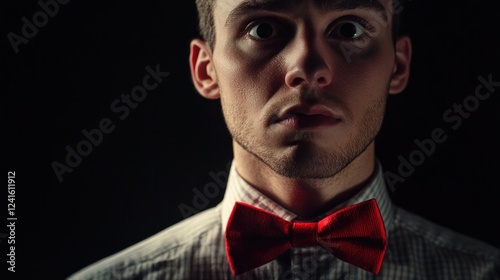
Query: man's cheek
<point x="352" y="53"/>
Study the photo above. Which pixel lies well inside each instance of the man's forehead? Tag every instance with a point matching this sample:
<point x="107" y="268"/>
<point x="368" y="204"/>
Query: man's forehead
<point x="321" y="4"/>
<point x="238" y="8"/>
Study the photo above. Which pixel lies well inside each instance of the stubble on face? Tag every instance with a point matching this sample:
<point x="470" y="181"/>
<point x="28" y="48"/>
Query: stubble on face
<point x="304" y="158"/>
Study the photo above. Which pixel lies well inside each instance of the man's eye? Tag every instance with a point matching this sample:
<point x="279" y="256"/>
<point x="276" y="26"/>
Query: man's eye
<point x="262" y="31"/>
<point x="350" y="30"/>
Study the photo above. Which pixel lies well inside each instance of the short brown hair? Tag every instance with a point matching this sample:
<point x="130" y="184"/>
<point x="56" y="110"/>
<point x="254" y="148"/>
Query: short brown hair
<point x="206" y="20"/>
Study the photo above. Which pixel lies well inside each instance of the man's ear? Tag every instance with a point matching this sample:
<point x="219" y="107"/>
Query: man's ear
<point x="401" y="71"/>
<point x="202" y="69"/>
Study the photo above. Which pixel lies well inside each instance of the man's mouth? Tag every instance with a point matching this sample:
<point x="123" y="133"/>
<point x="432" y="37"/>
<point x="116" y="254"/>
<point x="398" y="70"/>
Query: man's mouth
<point x="308" y="117"/>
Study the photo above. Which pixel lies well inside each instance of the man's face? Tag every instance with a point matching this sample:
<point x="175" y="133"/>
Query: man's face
<point x="303" y="84"/>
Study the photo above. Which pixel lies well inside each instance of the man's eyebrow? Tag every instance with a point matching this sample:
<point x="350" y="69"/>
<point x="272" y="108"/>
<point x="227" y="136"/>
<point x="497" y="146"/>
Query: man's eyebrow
<point x="248" y="6"/>
<point x="343" y="5"/>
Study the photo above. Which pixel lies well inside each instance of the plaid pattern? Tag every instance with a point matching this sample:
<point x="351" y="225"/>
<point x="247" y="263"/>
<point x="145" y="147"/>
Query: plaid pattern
<point x="194" y="248"/>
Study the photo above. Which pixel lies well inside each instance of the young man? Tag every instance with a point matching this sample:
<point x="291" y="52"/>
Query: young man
<point x="303" y="86"/>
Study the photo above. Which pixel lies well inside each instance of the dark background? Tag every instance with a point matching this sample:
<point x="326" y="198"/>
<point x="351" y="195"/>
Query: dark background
<point x="131" y="185"/>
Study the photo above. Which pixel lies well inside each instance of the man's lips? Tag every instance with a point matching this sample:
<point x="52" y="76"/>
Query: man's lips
<point x="308" y="117"/>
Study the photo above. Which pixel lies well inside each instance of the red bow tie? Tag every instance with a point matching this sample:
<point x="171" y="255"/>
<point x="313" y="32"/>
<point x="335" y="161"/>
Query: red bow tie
<point x="355" y="234"/>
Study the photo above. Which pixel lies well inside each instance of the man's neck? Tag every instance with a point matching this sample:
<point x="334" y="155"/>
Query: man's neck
<point x="307" y="198"/>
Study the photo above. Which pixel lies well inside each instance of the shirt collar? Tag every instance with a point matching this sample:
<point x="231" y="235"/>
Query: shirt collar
<point x="238" y="190"/>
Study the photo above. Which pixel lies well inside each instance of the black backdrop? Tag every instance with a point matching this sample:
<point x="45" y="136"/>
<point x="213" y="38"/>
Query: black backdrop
<point x="65" y="78"/>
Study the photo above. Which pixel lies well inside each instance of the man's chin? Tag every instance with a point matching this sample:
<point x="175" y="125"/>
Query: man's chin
<point x="306" y="164"/>
<point x="301" y="160"/>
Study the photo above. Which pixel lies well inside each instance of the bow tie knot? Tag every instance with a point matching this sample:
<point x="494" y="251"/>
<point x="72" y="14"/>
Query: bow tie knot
<point x="304" y="234"/>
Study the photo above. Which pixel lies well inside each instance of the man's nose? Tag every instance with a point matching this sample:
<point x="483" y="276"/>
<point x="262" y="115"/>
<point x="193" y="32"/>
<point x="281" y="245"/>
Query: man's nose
<point x="308" y="62"/>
